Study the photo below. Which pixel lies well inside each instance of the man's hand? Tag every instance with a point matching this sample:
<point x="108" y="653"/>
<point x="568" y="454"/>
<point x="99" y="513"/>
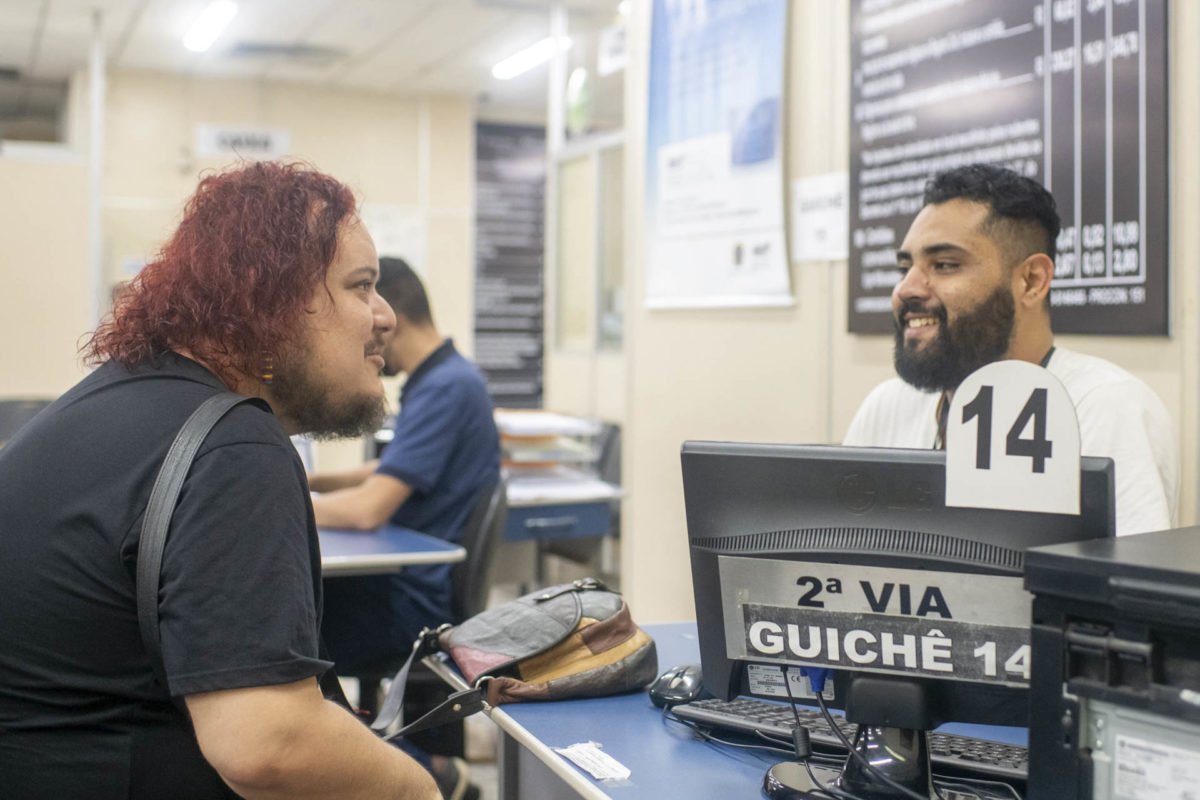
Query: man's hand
<point x="332" y="481"/>
<point x="363" y="507"/>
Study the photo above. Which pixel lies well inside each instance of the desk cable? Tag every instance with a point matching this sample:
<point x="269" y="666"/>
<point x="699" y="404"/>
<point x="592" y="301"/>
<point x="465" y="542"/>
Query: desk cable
<point x="970" y="784"/>
<point x="829" y="761"/>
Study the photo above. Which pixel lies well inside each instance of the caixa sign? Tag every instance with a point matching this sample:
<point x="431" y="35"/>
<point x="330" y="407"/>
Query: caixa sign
<point x="224" y="141"/>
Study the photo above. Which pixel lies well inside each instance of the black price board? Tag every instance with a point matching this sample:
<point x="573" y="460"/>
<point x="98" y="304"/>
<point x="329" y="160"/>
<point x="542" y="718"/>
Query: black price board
<point x="1071" y="93"/>
<point x="510" y="180"/>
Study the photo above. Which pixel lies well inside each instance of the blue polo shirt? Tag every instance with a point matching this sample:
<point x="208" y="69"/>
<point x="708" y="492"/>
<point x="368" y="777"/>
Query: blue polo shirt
<point x="447" y="449"/>
<point x="445" y="446"/>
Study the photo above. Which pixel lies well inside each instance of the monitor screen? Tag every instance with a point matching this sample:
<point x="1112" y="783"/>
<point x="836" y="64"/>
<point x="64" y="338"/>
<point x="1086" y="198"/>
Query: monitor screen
<point x="848" y="558"/>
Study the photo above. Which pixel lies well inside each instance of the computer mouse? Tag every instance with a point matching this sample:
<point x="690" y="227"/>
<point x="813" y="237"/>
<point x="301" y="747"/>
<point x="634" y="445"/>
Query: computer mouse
<point x="681" y="684"/>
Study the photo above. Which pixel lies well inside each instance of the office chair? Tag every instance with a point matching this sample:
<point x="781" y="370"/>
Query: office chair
<point x="585" y="550"/>
<point x="470" y="583"/>
<point x="15" y="413"/>
<point x="471" y="578"/>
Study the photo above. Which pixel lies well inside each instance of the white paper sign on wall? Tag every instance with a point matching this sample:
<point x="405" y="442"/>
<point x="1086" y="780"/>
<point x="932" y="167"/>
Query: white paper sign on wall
<point x="820" y="217"/>
<point x="611" y="53"/>
<point x="398" y="231"/>
<point x="221" y="141"/>
<point x="1012" y="441"/>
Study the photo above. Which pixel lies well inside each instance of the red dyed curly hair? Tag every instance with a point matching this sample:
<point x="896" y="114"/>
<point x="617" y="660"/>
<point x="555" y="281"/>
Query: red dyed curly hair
<point x="232" y="283"/>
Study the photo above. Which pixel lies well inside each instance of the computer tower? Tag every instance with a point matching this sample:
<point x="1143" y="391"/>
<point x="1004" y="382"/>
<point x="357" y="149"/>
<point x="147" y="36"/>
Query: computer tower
<point x="1115" y="678"/>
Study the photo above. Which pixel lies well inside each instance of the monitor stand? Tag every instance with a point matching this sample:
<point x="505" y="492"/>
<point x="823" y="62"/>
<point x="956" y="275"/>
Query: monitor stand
<point x="899" y="753"/>
<point x="893" y="716"/>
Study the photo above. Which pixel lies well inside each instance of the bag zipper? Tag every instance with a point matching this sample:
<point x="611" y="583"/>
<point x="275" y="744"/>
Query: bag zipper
<point x="581" y="585"/>
<point x="574" y="588"/>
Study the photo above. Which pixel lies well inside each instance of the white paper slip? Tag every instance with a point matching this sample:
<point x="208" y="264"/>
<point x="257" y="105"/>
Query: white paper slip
<point x="591" y="759"/>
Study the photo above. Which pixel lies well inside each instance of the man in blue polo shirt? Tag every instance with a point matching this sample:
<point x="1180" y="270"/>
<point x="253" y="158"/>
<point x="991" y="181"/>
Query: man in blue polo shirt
<point x="445" y="450"/>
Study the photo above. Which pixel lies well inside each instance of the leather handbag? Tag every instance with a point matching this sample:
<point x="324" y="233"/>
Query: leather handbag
<point x="572" y="640"/>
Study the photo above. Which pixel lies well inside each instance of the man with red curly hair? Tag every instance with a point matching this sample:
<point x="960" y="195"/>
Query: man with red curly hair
<point x="266" y="289"/>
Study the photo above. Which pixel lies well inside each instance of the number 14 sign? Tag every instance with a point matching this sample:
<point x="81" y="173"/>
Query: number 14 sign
<point x="1012" y="441"/>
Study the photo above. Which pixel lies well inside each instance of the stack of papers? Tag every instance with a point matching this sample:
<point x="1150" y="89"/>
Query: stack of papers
<point x="543" y="424"/>
<point x="557" y="485"/>
<point x="543" y="438"/>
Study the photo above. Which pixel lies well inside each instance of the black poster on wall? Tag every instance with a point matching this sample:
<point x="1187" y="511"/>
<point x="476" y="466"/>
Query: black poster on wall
<point x="1069" y="92"/>
<point x="510" y="183"/>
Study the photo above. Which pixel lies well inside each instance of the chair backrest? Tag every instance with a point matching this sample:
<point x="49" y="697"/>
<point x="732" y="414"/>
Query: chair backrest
<point x="608" y="458"/>
<point x="15" y="413"/>
<point x="470" y="579"/>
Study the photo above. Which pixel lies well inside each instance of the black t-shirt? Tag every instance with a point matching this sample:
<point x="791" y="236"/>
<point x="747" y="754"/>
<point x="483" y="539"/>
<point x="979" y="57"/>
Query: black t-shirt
<point x="81" y="712"/>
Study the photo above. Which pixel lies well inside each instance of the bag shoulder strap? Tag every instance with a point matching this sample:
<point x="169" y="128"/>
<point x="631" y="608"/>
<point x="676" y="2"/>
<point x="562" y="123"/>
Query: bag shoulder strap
<point x="389" y="722"/>
<point x="161" y="507"/>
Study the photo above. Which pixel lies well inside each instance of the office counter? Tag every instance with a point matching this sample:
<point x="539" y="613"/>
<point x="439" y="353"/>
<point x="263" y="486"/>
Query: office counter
<point x="666" y="759"/>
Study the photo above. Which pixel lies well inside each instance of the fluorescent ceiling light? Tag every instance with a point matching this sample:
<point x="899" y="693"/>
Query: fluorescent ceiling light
<point x="208" y="25"/>
<point x="528" y="58"/>
<point x="623" y="8"/>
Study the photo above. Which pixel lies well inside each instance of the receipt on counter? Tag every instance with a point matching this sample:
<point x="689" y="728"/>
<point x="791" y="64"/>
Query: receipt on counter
<point x="591" y="759"/>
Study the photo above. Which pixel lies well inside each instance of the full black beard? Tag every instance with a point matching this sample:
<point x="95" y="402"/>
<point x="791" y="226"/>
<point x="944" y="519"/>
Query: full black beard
<point x="310" y="405"/>
<point x="978" y="337"/>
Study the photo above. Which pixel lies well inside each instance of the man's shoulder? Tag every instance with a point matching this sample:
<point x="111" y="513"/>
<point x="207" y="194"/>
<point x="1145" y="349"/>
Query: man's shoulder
<point x="1084" y="374"/>
<point x="177" y="387"/>
<point x="898" y="397"/>
<point x="894" y="414"/>
<point x="456" y="373"/>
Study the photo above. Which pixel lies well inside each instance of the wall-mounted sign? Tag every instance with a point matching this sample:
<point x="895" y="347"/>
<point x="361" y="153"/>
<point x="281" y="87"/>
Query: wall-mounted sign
<point x="611" y="55"/>
<point x="241" y="142"/>
<point x="510" y="180"/>
<point x="1072" y="94"/>
<point x="398" y="231"/>
<point x="819" y="214"/>
<point x="714" y="155"/>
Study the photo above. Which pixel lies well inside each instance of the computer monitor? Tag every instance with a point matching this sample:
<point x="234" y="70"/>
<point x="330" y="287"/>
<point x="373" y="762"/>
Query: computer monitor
<point x="849" y="558"/>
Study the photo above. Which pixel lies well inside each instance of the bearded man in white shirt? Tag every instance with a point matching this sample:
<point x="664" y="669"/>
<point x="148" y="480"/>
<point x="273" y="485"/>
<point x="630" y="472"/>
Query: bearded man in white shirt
<point x="975" y="268"/>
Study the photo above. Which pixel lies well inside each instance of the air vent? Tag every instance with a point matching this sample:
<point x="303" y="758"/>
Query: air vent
<point x="295" y="53"/>
<point x="869" y="541"/>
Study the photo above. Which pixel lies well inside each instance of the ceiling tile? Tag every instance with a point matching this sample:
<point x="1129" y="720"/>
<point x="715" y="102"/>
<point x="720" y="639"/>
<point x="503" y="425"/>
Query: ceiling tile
<point x="399" y="46"/>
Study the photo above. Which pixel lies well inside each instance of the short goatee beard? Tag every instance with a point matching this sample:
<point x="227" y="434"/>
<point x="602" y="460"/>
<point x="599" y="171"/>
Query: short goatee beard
<point x="978" y="337"/>
<point x="310" y="405"/>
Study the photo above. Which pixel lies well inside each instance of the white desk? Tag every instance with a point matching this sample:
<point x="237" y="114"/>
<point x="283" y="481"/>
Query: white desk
<point x="388" y="549"/>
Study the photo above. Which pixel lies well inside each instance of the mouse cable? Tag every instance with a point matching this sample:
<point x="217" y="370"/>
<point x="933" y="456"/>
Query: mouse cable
<point x="821" y="759"/>
<point x="776" y="746"/>
<point x="704" y="734"/>
<point x="974" y="785"/>
<point x="801" y="741"/>
<point x="824" y="760"/>
<point x="833" y="791"/>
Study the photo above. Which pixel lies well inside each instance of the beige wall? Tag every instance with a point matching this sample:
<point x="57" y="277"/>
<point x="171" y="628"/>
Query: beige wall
<point x="416" y="153"/>
<point x="795" y="375"/>
<point x="45" y="302"/>
<point x="413" y="153"/>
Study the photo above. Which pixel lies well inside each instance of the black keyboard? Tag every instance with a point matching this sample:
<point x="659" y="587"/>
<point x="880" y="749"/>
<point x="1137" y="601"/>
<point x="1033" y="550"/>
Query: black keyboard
<point x="952" y="755"/>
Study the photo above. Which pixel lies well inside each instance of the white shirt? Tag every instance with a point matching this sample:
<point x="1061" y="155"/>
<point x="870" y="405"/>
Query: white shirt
<point x="1119" y="417"/>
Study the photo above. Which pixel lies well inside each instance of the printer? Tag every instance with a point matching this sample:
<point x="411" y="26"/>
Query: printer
<point x="1115" y="675"/>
